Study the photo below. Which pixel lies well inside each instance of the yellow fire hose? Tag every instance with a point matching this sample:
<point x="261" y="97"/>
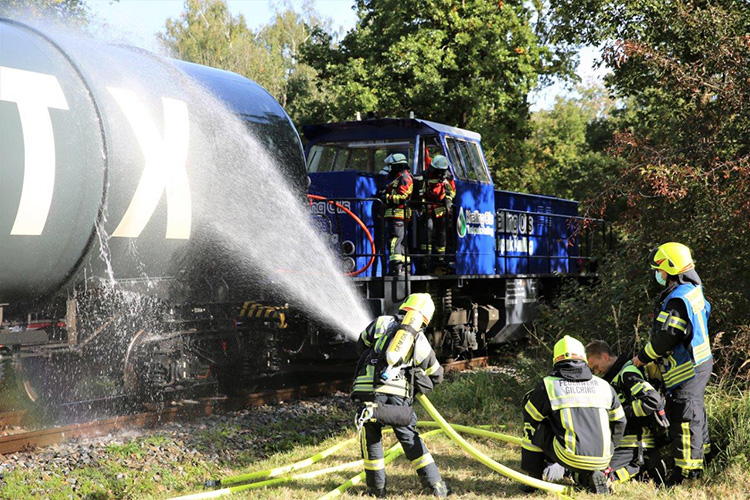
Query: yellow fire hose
<point x="392" y="454"/>
<point x="272" y="482"/>
<point x="484" y="459"/>
<point x="476" y="431"/>
<point x="278" y="471"/>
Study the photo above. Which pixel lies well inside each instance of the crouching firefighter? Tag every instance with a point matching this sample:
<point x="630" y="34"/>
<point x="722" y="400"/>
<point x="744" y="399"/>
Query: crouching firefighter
<point x="573" y="419"/>
<point x="644" y="408"/>
<point x="396" y="360"/>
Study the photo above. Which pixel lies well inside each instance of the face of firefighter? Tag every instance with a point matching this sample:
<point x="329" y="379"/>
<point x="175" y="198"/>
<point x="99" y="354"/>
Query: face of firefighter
<point x="601" y="363"/>
<point x="661" y="277"/>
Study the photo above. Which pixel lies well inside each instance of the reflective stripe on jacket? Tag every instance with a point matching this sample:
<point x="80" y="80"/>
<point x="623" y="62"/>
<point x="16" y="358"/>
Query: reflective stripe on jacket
<point x="639" y="400"/>
<point x="678" y="365"/>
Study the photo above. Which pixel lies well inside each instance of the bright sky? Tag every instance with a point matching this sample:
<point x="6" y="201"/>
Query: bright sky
<point x="137" y="21"/>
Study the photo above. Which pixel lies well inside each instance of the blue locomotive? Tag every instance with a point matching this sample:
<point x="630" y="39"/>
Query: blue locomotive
<point x="505" y="249"/>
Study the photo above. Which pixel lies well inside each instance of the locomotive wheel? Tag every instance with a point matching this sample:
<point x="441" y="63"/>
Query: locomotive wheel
<point x="140" y="377"/>
<point x="52" y="384"/>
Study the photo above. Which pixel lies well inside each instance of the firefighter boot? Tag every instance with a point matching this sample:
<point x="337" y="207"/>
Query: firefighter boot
<point x="679" y="475"/>
<point x="377" y="492"/>
<point x="397" y="269"/>
<point x="440" y="489"/>
<point x="598" y="483"/>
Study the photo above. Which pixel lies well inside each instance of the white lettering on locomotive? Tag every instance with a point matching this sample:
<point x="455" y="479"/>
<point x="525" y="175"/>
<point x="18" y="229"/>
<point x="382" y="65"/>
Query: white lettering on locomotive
<point x="34" y="94"/>
<point x="164" y="169"/>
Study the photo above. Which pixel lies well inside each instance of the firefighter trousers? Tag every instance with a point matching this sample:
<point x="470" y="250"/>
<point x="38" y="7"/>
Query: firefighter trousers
<point x="434" y="240"/>
<point x="414" y="448"/>
<point x="625" y="464"/>
<point x="688" y="423"/>
<point x="396" y="245"/>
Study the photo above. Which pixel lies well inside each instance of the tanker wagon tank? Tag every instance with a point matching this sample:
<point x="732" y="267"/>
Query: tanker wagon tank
<point x="111" y="277"/>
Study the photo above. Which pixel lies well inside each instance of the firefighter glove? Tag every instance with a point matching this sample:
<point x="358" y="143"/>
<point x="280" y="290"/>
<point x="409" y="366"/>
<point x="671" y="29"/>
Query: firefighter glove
<point x="660" y="420"/>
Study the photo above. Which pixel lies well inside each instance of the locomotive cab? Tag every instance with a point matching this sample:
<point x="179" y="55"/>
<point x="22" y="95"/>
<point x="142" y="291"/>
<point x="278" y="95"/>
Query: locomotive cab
<point x="345" y="162"/>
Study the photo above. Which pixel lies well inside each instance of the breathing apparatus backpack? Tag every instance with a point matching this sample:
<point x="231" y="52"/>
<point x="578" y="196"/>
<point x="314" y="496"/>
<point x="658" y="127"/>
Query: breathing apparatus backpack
<point x="399" y="347"/>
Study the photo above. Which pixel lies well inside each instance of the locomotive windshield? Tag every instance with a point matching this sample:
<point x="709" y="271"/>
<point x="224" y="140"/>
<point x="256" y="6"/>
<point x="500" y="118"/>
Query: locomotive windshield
<point x="358" y="156"/>
<point x="468" y="160"/>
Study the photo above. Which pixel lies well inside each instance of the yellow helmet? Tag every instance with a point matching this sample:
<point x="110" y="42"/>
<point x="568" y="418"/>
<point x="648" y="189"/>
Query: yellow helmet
<point x="673" y="258"/>
<point x="421" y="303"/>
<point x="568" y="348"/>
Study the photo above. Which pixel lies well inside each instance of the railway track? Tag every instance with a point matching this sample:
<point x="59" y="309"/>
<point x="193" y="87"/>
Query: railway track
<point x="29" y="440"/>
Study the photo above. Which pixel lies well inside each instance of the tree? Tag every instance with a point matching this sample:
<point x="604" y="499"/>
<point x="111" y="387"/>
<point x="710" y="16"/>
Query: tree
<point x="468" y="63"/>
<point x="567" y="147"/>
<point x="207" y="33"/>
<point x="64" y="11"/>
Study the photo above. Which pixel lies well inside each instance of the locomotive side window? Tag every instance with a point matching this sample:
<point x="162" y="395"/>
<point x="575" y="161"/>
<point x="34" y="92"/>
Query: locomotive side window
<point x="477" y="160"/>
<point x="364" y="157"/>
<point x="461" y="160"/>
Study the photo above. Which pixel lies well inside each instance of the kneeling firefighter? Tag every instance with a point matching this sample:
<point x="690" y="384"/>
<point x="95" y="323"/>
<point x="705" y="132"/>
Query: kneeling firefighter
<point x="395" y="360"/>
<point x="572" y="418"/>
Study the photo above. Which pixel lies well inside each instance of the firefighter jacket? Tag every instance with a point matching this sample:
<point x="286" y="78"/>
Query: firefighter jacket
<point x="639" y="400"/>
<point x="373" y="341"/>
<point x="583" y="412"/>
<point x="397" y="195"/>
<point x="679" y="337"/>
<point x="439" y="192"/>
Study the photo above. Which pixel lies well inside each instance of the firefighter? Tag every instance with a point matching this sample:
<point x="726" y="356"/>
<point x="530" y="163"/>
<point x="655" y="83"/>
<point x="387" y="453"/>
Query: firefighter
<point x="395" y="360"/>
<point x="396" y="196"/>
<point x="440" y="189"/>
<point x="680" y="346"/>
<point x="572" y="418"/>
<point x="644" y="409"/>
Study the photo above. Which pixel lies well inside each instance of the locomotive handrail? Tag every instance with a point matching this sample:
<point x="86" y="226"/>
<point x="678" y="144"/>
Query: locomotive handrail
<point x="579" y="244"/>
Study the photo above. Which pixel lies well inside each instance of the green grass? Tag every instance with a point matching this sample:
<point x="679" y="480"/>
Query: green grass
<point x="478" y="397"/>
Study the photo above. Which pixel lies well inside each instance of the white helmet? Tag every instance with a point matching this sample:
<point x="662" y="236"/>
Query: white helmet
<point x="396" y="161"/>
<point x="440" y="162"/>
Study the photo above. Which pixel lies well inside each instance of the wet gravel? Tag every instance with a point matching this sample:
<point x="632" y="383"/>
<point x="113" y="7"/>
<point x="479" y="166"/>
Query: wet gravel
<point x="219" y="439"/>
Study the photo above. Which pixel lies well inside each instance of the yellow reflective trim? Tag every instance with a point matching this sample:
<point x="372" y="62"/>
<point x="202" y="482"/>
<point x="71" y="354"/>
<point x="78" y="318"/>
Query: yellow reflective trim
<point x="638" y="408"/>
<point x="606" y="436"/>
<point x="623" y="475"/>
<point x="662" y="317"/>
<point x="533" y="412"/>
<point x="680" y="374"/>
<point x="687" y="461"/>
<point x="422" y="461"/>
<point x="378" y="464"/>
<point x="580" y="462"/>
<point x="650" y="351"/>
<point x="679" y="321"/>
<point x="617" y="413"/>
<point x="631" y="441"/>
<point x="432" y="369"/>
<point x="638" y="387"/>
<point x="674" y="323"/>
<point x="526" y="445"/>
<point x="566" y="418"/>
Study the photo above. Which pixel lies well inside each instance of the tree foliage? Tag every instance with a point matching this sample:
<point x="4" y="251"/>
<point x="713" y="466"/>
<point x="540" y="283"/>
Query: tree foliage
<point x="207" y="33"/>
<point x="469" y="63"/>
<point x="685" y="69"/>
<point x="567" y="147"/>
<point x="64" y="11"/>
